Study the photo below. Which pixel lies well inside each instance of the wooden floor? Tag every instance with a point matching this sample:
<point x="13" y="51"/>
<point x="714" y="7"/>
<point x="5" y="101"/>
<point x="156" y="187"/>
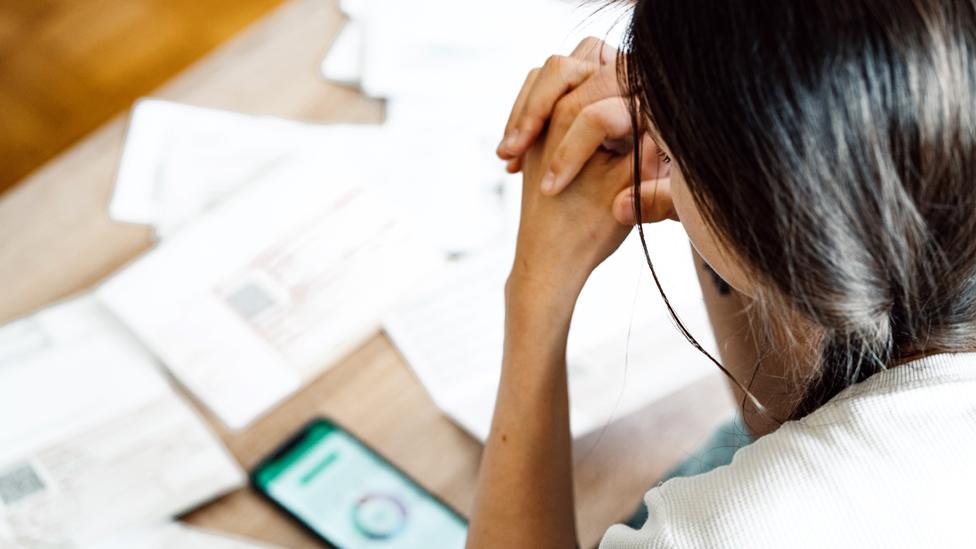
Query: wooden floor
<point x="67" y="66"/>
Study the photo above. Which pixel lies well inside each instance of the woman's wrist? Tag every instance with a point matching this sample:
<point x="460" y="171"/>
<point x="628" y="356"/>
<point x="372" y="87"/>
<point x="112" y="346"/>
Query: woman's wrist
<point x="538" y="312"/>
<point x="549" y="275"/>
<point x="533" y="292"/>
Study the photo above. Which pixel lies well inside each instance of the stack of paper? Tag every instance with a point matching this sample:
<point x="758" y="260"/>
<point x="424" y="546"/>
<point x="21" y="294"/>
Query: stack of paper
<point x="429" y="47"/>
<point x="450" y="72"/>
<point x="94" y="440"/>
<point x="275" y="285"/>
<point x="179" y="160"/>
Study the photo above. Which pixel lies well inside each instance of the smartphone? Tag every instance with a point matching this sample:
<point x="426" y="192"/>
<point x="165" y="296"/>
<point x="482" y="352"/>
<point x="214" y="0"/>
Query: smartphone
<point x="350" y="497"/>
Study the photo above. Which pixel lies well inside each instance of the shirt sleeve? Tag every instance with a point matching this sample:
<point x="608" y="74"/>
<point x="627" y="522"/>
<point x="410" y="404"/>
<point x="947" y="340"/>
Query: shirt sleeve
<point x="653" y="535"/>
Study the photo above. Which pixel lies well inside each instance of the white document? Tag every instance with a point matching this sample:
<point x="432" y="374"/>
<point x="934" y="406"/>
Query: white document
<point x="441" y="48"/>
<point x="271" y="288"/>
<point x="456" y="192"/>
<point x="176" y="535"/>
<point x="180" y="160"/>
<point x="344" y="61"/>
<point x="624" y="352"/>
<point x="92" y="437"/>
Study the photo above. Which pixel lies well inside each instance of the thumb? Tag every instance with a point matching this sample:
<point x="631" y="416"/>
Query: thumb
<point x="655" y="203"/>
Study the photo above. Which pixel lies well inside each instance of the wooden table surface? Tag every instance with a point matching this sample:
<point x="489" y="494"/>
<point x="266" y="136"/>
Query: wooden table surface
<point x="56" y="240"/>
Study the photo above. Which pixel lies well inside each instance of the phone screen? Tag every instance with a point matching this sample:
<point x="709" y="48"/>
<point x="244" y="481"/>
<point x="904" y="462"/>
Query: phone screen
<point x="353" y="498"/>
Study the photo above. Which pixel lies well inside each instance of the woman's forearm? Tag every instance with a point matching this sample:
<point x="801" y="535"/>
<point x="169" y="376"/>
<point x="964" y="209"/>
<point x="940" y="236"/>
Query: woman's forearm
<point x="525" y="489"/>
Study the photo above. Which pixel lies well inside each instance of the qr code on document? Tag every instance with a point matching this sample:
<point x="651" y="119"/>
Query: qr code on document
<point x="18" y="482"/>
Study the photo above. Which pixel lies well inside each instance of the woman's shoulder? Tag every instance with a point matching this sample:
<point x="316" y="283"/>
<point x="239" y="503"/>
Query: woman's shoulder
<point x="897" y="448"/>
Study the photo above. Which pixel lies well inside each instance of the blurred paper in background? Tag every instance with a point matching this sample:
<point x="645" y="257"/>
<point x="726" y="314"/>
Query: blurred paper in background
<point x="623" y="351"/>
<point x="180" y="160"/>
<point x="268" y="290"/>
<point x="93" y="438"/>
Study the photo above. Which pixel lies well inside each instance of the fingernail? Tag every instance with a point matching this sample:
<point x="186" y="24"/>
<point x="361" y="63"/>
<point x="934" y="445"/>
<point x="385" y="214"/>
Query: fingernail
<point x="548" y="182"/>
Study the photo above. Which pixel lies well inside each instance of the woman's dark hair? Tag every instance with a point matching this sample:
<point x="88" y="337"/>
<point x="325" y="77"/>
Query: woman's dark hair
<point x="832" y="146"/>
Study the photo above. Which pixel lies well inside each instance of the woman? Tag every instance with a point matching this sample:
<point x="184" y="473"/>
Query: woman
<point x="821" y="157"/>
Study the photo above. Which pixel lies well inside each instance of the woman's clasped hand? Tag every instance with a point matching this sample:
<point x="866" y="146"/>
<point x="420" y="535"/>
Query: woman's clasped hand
<point x="570" y="133"/>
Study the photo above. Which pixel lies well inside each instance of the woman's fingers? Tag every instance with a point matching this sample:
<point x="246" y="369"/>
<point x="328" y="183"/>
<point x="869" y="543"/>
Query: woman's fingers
<point x="606" y="121"/>
<point x="595" y="50"/>
<point x="514" y="165"/>
<point x="557" y="77"/>
<point x="517" y="108"/>
<point x="597" y="87"/>
<point x="655" y="202"/>
<point x="560" y="77"/>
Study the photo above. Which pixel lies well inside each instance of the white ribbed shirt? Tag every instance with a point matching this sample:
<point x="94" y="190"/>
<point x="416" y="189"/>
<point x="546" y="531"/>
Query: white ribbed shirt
<point x="889" y="462"/>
